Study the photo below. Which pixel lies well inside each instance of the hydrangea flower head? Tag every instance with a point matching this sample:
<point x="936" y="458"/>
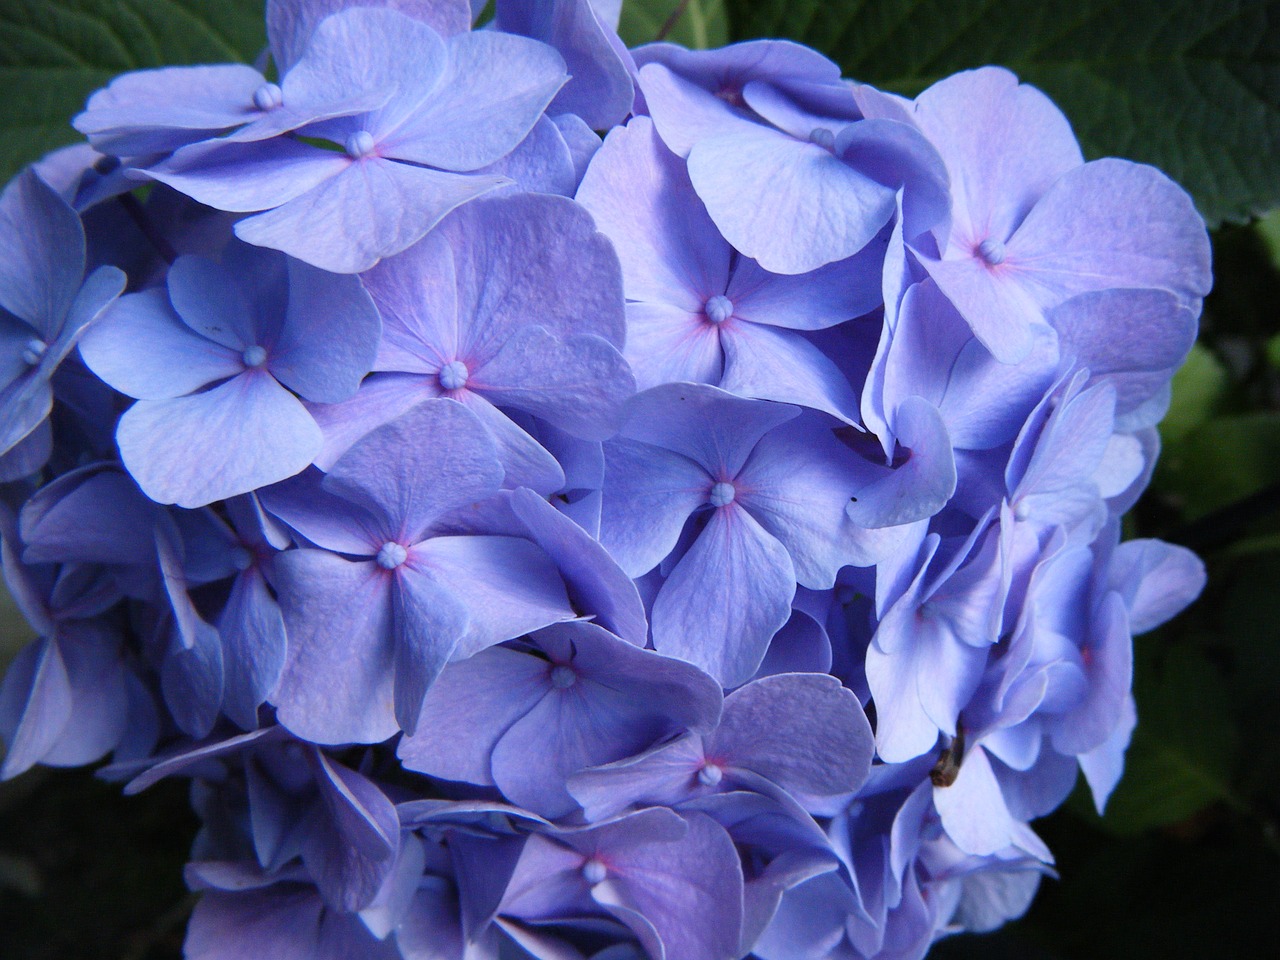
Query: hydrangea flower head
<point x="695" y="541"/>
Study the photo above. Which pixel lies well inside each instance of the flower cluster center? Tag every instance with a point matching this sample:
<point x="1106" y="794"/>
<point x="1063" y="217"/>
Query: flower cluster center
<point x="722" y="494"/>
<point x="454" y="375"/>
<point x="33" y="351"/>
<point x="718" y="309"/>
<point x="391" y="555"/>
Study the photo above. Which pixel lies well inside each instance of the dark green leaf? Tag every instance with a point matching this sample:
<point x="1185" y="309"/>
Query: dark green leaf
<point x="1269" y="229"/>
<point x="1222" y="460"/>
<point x="1184" y="748"/>
<point x="1197" y="387"/>
<point x="1192" y="86"/>
<point x="1273" y="351"/>
<point x="694" y="23"/>
<point x="54" y="53"/>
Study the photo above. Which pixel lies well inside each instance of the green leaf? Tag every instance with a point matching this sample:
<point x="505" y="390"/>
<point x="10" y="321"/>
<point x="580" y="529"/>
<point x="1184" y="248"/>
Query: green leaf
<point x="1197" y="387"/>
<point x="1269" y="229"/>
<point x="54" y="53"/>
<point x="698" y="24"/>
<point x="1184" y="748"/>
<point x="1192" y="86"/>
<point x="1223" y="460"/>
<point x="1273" y="351"/>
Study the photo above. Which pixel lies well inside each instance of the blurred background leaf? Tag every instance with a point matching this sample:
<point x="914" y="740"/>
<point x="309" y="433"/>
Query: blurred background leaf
<point x="54" y="53"/>
<point x="697" y="24"/>
<point x="1183" y="754"/>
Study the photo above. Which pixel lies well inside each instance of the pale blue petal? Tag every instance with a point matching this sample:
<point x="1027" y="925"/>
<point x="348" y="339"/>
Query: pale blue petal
<point x="763" y="189"/>
<point x="494" y="88"/>
<point x="244" y="434"/>
<point x="726" y="598"/>
<point x="337" y="685"/>
<point x="371" y="209"/>
<point x="508" y="586"/>
<point x="143" y="349"/>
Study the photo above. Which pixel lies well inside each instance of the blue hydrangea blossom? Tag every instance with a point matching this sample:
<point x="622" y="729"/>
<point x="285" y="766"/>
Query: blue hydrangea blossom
<point x="350" y="512"/>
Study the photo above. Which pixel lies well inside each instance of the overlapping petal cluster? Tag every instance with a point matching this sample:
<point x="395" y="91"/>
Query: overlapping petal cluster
<point x="567" y="502"/>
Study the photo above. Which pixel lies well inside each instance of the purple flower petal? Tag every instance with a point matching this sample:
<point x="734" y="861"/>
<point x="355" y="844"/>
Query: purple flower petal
<point x="323" y="518"/>
<point x="381" y="398"/>
<point x="525" y="462"/>
<point x="1004" y="144"/>
<point x="1142" y="230"/>
<point x="578" y="384"/>
<point x="664" y="775"/>
<point x="932" y="355"/>
<point x="35" y="706"/>
<point x="918" y="487"/>
<point x="600" y="87"/>
<point x="344" y="223"/>
<point x="242" y="177"/>
<point x="764" y="188"/>
<point x="1108" y="665"/>
<point x="192" y="680"/>
<point x="1050" y="476"/>
<point x="158" y="111"/>
<point x="524" y="255"/>
<point x="1131" y="339"/>
<point x="220" y="302"/>
<point x="337" y="681"/>
<point x="829" y="295"/>
<point x="689" y="890"/>
<point x="582" y="142"/>
<point x="604" y="700"/>
<point x="329" y="338"/>
<point x="726" y="598"/>
<point x="797" y="484"/>
<point x="254" y="645"/>
<point x="494" y="89"/>
<point x="356" y="51"/>
<point x="667" y="344"/>
<point x="781" y="365"/>
<point x="1156" y="579"/>
<point x="244" y="434"/>
<point x="40" y="277"/>
<point x="92" y="515"/>
<point x="1001" y="311"/>
<point x="290" y="23"/>
<point x="285" y="922"/>
<point x="649" y="493"/>
<point x="975" y="816"/>
<point x="508" y="586"/>
<point x="767" y="721"/>
<point x="691" y="93"/>
<point x="1104" y="764"/>
<point x="99" y="696"/>
<point x="352" y="861"/>
<point x="801" y="646"/>
<point x="640" y="195"/>
<point x="410" y="472"/>
<point x="594" y="580"/>
<point x="175" y="361"/>
<point x="26" y="404"/>
<point x="428" y="621"/>
<point x="420" y="320"/>
<point x="711" y="427"/>
<point x="540" y="163"/>
<point x="468" y="709"/>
